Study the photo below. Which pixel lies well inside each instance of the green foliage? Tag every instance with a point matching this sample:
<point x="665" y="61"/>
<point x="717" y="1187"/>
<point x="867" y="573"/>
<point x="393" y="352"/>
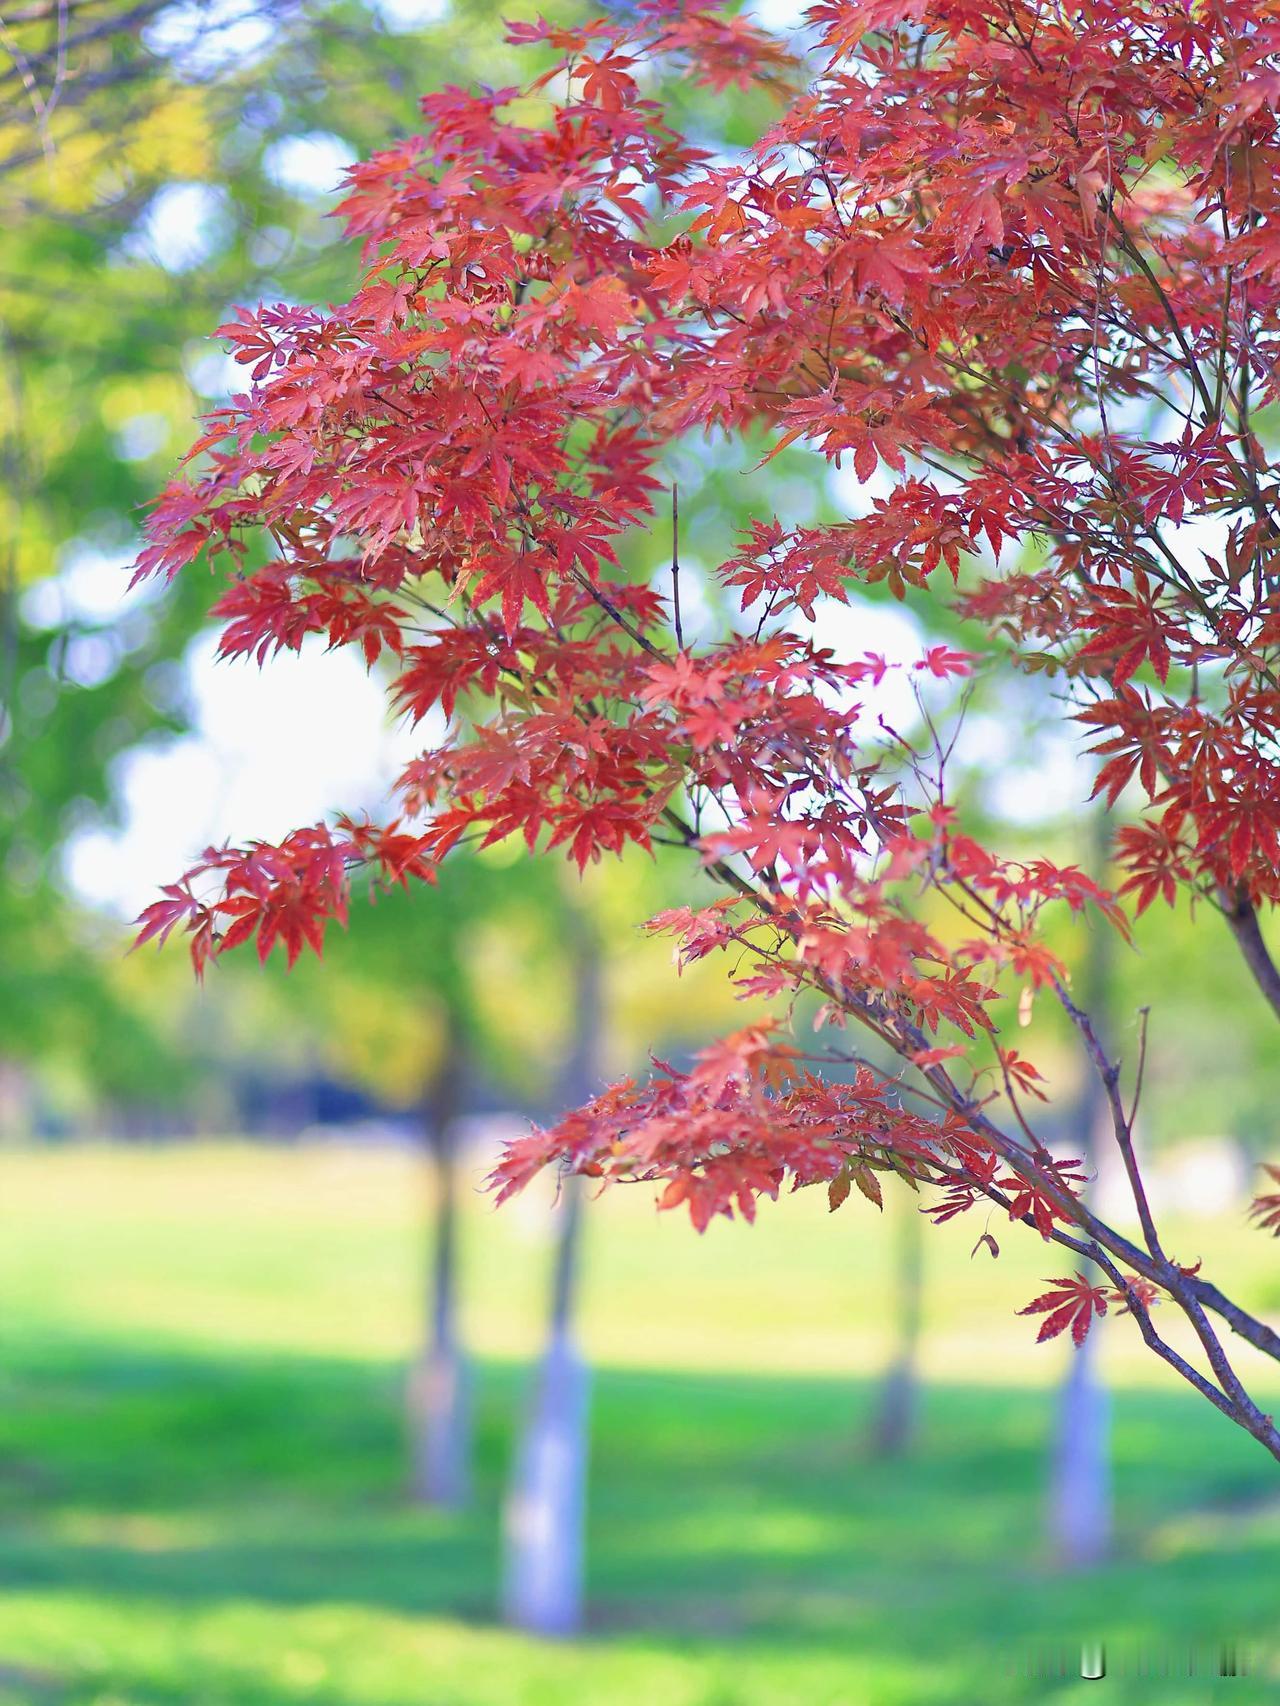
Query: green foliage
<point x="104" y="359"/>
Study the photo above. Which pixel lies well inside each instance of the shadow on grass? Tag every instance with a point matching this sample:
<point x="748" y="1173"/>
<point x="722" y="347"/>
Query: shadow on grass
<point x="723" y="1508"/>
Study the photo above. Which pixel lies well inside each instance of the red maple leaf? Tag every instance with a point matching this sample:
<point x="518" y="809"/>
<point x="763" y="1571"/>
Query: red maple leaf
<point x="1265" y="1209"/>
<point x="1074" y="1303"/>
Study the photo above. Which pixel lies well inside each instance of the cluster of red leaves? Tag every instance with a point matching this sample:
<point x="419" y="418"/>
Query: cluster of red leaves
<point x="1078" y="1302"/>
<point x="747" y="1117"/>
<point x="979" y="242"/>
<point x="1265" y="1208"/>
<point x="285" y="893"/>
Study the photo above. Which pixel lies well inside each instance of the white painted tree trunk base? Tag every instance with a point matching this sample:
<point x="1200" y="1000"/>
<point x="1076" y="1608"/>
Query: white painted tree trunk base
<point x="896" y="1418"/>
<point x="545" y="1512"/>
<point x="1080" y="1486"/>
<point x="440" y="1424"/>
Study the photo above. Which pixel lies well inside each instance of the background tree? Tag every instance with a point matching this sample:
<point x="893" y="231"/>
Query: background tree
<point x="1080" y="1475"/>
<point x="544" y="1558"/>
<point x="896" y="1416"/>
<point x="413" y="960"/>
<point x="178" y="154"/>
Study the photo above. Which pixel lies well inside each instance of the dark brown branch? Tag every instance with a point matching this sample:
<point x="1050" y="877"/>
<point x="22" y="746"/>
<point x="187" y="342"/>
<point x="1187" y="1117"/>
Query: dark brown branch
<point x="675" y="565"/>
<point x="1242" y="918"/>
<point x="1248" y="1327"/>
<point x="1234" y="1402"/>
<point x="1262" y="1429"/>
<point x="615" y="615"/>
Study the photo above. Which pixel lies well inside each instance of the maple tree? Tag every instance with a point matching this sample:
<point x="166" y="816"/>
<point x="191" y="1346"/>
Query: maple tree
<point x="1018" y="260"/>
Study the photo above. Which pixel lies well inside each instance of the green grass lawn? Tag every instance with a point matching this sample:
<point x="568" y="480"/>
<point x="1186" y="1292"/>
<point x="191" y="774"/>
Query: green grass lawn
<point x="202" y="1459"/>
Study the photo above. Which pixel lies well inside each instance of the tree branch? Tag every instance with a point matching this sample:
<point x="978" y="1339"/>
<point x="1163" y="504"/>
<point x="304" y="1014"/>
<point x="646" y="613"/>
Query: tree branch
<point x="1242" y="918"/>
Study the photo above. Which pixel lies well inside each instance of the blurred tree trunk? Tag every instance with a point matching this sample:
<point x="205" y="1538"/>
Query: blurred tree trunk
<point x="897" y="1410"/>
<point x="545" y="1515"/>
<point x="440" y="1385"/>
<point x="1080" y="1496"/>
<point x="1080" y="1473"/>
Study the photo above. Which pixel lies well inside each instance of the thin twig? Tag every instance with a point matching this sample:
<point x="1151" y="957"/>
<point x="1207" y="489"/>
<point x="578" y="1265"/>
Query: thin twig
<point x="675" y="564"/>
